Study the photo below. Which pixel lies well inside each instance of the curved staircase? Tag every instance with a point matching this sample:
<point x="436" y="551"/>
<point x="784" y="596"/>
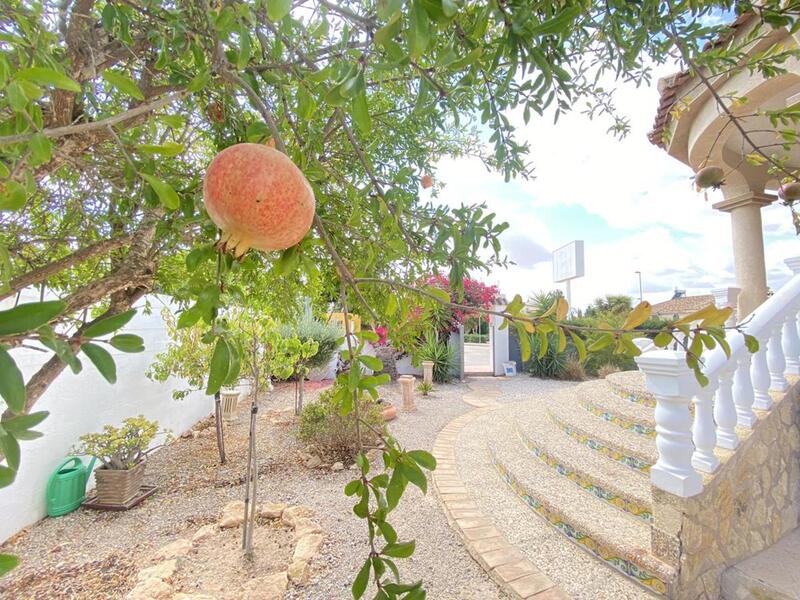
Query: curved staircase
<point x="579" y="459"/>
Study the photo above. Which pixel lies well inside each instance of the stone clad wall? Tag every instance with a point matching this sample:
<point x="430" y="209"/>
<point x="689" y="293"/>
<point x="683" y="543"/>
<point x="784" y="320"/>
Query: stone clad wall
<point x="750" y="503"/>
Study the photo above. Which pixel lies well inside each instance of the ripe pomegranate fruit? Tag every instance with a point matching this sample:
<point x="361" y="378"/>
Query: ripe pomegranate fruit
<point x="709" y="177"/>
<point x="427" y="181"/>
<point x="258" y="197"/>
<point x="789" y="191"/>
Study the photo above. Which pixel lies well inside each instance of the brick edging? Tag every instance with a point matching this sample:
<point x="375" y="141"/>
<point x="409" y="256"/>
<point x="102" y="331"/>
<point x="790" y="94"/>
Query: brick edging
<point x="504" y="563"/>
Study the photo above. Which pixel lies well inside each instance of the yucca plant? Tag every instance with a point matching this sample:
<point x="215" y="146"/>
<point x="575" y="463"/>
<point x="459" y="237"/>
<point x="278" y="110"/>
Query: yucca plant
<point x="438" y="352"/>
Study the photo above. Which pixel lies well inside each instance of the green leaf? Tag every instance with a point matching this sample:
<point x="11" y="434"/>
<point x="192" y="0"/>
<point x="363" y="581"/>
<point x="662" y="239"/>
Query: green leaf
<point x="387" y="8"/>
<point x="189" y="317"/>
<point x="41" y="149"/>
<point x="360" y="112"/>
<point x="288" y="262"/>
<point x="168" y="196"/>
<point x="220" y="365"/>
<point x="29" y="316"/>
<point x="361" y="580"/>
<point x="21" y="423"/>
<point x="558" y="24"/>
<point x="423" y="459"/>
<point x="12" y="196"/>
<point x="418" y="33"/>
<point x="391" y="305"/>
<point x="7" y="476"/>
<point x="109" y="324"/>
<point x="10" y="447"/>
<point x="165" y="149"/>
<point x="388" y="532"/>
<point x="12" y="385"/>
<point x="101" y="359"/>
<point x="395" y="489"/>
<point x="127" y="342"/>
<point x="123" y="83"/>
<point x="438" y="293"/>
<point x="662" y="339"/>
<point x="7" y="561"/>
<point x="751" y="343"/>
<point x="414" y="474"/>
<point x="353" y="487"/>
<point x="235" y="364"/>
<point x="277" y="9"/>
<point x="401" y="550"/>
<point x="45" y="76"/>
<point x="580" y="345"/>
<point x="371" y="362"/>
<point x="601" y="342"/>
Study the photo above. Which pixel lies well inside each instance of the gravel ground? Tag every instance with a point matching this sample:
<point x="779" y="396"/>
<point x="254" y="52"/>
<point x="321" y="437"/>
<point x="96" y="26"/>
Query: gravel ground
<point x="94" y="555"/>
<point x="575" y="571"/>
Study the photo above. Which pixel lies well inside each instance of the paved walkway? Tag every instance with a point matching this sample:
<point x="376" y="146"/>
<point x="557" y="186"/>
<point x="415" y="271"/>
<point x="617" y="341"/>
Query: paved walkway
<point x="504" y="563"/>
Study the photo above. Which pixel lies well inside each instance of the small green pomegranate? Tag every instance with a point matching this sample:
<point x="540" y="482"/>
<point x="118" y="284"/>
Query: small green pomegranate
<point x="789" y="191"/>
<point x="709" y="177"/>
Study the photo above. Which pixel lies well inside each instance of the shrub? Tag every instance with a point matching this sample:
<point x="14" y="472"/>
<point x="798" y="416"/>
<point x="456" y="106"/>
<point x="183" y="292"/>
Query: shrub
<point x="425" y="388"/>
<point x="440" y="353"/>
<point x="573" y="370"/>
<point x="332" y="435"/>
<point x="552" y="365"/>
<point x="325" y="334"/>
<point x="476" y="338"/>
<point x="120" y="448"/>
<point x="606" y="370"/>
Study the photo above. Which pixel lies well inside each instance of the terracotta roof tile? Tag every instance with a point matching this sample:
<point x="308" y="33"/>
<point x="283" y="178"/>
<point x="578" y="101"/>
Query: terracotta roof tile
<point x="671" y="83"/>
<point x="679" y="306"/>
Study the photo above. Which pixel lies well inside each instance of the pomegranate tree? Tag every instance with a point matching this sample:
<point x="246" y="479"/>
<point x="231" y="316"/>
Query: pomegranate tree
<point x="259" y="199"/>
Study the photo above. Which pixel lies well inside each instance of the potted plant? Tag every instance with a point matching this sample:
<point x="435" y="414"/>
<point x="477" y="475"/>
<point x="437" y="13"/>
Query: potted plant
<point x="123" y="454"/>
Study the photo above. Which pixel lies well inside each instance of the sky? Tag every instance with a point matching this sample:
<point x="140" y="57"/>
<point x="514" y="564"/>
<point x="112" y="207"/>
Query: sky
<point x="633" y="205"/>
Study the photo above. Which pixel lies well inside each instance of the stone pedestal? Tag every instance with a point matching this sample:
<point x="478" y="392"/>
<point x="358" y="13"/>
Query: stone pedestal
<point x="427" y="371"/>
<point x="407" y="385"/>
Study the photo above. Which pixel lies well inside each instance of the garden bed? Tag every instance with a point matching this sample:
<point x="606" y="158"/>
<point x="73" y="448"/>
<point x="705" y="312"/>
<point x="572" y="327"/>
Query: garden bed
<point x="89" y="554"/>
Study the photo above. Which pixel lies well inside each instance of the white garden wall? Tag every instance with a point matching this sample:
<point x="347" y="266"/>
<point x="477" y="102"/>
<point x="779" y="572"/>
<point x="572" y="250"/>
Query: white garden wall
<point x="85" y="402"/>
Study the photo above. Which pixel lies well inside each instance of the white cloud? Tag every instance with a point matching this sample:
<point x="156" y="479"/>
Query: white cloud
<point x="651" y="219"/>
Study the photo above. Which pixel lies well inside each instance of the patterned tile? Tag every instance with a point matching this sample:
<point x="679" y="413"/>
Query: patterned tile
<point x="626" y="394"/>
<point x="623" y="421"/>
<point x="587" y="483"/>
<point x="633" y="462"/>
<point x="623" y="565"/>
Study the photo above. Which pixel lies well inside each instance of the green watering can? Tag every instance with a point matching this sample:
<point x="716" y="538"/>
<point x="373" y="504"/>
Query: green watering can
<point x="66" y="488"/>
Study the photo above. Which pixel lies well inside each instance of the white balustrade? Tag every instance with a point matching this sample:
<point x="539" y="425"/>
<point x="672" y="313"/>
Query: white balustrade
<point x="791" y="343"/>
<point x="725" y="409"/>
<point x="759" y="374"/>
<point x="703" y="434"/>
<point x="743" y="391"/>
<point x="673" y="384"/>
<point x="775" y="360"/>
<point x="738" y="383"/>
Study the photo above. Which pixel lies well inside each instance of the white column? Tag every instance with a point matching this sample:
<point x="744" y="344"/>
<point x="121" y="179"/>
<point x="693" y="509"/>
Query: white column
<point x="743" y="391"/>
<point x="673" y="384"/>
<point x="775" y="359"/>
<point x="703" y="434"/>
<point x="759" y="374"/>
<point x="725" y="409"/>
<point x="748" y="246"/>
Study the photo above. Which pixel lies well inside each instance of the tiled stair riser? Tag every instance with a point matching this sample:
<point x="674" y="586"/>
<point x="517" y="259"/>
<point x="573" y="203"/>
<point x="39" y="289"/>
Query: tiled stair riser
<point x="623" y="565"/>
<point x="607" y="450"/>
<point x="588" y="483"/>
<point x="620" y="420"/>
<point x="626" y="394"/>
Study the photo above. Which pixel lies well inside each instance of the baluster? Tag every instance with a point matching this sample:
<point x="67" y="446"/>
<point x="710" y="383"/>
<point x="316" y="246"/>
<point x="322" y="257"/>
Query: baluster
<point x="743" y="392"/>
<point x="725" y="409"/>
<point x="673" y="384"/>
<point x="703" y="434"/>
<point x="775" y="359"/>
<point x="791" y="343"/>
<point x="759" y="373"/>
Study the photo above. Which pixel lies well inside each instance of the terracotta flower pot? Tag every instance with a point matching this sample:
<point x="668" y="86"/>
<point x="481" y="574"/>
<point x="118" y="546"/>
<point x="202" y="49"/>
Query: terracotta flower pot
<point x="389" y="413"/>
<point x="118" y="486"/>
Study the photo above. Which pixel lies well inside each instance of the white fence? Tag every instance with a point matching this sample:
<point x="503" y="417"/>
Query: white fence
<point x="82" y="403"/>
